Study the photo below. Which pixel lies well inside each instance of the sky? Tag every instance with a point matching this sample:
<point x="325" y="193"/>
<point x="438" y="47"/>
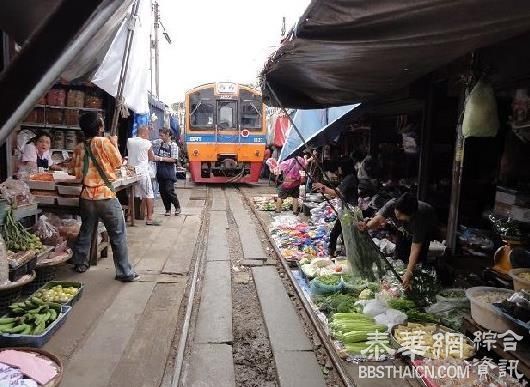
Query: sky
<point x="219" y="40"/>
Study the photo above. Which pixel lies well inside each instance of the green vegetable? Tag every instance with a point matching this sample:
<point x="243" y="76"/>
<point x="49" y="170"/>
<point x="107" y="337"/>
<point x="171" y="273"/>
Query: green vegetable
<point x="335" y="303"/>
<point x="416" y="316"/>
<point x="17" y="238"/>
<point x="329" y="279"/>
<point x="402" y="304"/>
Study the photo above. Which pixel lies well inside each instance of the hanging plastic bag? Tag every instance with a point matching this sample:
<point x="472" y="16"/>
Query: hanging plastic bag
<point x="480" y="114"/>
<point x="364" y="258"/>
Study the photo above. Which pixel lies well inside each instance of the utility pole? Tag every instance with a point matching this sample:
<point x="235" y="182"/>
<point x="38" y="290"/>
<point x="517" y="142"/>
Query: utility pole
<point x="284" y="28"/>
<point x="156" y="44"/>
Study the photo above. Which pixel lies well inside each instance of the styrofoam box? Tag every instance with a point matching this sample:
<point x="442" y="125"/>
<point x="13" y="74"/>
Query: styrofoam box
<point x="72" y="202"/>
<point x="41" y="185"/>
<point x="68" y="189"/>
<point x="45" y="199"/>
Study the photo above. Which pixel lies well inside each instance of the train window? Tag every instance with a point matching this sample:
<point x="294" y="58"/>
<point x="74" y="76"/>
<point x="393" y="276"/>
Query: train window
<point x="226" y="114"/>
<point x="201" y="115"/>
<point x="202" y="109"/>
<point x="250" y="114"/>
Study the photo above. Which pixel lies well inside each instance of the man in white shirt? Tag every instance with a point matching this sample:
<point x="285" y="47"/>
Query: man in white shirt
<point x="140" y="152"/>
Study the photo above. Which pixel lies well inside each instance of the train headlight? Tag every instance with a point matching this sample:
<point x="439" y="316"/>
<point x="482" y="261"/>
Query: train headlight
<point x="195" y="152"/>
<point x="257" y="153"/>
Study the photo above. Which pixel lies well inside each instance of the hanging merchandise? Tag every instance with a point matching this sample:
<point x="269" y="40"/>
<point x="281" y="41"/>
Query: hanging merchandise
<point x="281" y="126"/>
<point x="364" y="257"/>
<point x="480" y="114"/>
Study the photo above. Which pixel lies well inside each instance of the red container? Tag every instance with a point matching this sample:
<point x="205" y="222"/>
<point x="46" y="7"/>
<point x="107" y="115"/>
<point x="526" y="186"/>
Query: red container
<point x="56" y="97"/>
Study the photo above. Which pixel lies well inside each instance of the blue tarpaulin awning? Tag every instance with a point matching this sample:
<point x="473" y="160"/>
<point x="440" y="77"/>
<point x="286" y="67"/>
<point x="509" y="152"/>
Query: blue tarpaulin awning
<point x="312" y="124"/>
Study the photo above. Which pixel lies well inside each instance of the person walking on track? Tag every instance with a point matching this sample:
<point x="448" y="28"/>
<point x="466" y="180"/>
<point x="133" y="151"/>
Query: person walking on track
<point x="166" y="170"/>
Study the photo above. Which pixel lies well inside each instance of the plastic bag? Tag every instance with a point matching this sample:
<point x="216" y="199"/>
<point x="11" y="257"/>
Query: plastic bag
<point x="480" y="114"/>
<point x="391" y="318"/>
<point x="450" y="310"/>
<point x="374" y="308"/>
<point x="362" y="254"/>
<point x="47" y="232"/>
<point x="16" y="192"/>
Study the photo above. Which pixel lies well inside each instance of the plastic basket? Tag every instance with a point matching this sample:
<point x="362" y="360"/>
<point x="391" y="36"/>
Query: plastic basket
<point x="16" y="340"/>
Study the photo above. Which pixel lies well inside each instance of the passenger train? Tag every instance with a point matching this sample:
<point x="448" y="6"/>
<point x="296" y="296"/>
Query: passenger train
<point x="225" y="133"/>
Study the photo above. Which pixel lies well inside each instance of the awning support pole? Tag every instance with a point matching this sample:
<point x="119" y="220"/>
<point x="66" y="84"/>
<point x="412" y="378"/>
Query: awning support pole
<point x="458" y="164"/>
<point x="120" y="107"/>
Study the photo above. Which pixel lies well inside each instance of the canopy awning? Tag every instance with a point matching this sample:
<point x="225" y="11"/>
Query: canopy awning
<point x="310" y="124"/>
<point x="346" y="52"/>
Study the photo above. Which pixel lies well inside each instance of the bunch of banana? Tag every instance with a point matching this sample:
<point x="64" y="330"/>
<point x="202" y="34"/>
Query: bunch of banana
<point x="31" y="317"/>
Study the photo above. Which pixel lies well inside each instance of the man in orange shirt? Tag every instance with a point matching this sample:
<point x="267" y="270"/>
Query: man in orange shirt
<point x="95" y="162"/>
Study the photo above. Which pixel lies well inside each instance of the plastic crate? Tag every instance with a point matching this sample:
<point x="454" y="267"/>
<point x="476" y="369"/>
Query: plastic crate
<point x="67" y="284"/>
<point x="16" y="273"/>
<point x="16" y="340"/>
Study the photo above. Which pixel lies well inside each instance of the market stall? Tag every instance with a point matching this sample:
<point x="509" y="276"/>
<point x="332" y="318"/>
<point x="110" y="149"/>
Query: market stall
<point x="376" y="319"/>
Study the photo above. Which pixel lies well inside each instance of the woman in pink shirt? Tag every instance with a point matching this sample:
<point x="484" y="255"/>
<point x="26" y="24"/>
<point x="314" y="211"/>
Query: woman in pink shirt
<point x="290" y="186"/>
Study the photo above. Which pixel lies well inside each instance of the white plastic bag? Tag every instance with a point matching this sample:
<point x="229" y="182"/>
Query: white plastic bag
<point x="374" y="308"/>
<point x="480" y="114"/>
<point x="390" y="318"/>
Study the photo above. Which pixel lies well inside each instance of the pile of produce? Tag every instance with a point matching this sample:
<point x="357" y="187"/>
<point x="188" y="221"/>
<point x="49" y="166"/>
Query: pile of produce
<point x="525" y="276"/>
<point x="353" y="330"/>
<point x="317" y="267"/>
<point x="336" y="303"/>
<point x="268" y="203"/>
<point x="57" y="294"/>
<point x="30" y="317"/>
<point x="429" y="340"/>
<point x="17" y="238"/>
<point x="414" y="314"/>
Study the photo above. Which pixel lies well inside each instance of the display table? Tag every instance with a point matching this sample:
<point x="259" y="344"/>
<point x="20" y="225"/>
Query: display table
<point x="523" y="348"/>
<point x="100" y="249"/>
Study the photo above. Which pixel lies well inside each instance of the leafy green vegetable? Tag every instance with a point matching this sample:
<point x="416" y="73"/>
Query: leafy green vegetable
<point x="402" y="304"/>
<point x="366" y="294"/>
<point x="329" y="279"/>
<point x="416" y="316"/>
<point x="333" y="303"/>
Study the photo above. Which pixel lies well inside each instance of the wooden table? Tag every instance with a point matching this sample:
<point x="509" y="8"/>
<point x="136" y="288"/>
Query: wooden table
<point x="100" y="249"/>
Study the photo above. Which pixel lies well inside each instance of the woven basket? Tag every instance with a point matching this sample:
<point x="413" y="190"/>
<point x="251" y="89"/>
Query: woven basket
<point x="56" y="381"/>
<point x="44" y="274"/>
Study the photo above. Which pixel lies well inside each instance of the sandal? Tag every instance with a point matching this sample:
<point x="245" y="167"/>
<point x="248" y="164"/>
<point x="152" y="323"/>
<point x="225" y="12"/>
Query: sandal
<point x="80" y="268"/>
<point x="178" y="211"/>
<point x="152" y="223"/>
<point x="168" y="213"/>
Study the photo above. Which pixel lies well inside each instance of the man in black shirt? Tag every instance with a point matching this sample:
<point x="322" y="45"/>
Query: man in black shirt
<point x="348" y="192"/>
<point x="416" y="222"/>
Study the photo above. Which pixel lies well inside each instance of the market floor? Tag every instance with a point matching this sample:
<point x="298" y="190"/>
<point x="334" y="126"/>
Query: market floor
<point x="121" y="334"/>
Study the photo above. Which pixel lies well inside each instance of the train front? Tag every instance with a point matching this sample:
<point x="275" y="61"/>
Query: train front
<point x="225" y="133"/>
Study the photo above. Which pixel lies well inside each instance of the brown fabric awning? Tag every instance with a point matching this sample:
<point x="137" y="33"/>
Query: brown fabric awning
<point x="350" y="51"/>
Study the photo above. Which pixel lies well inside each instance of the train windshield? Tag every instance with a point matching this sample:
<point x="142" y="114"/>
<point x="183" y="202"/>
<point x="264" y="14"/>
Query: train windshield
<point x="226" y="114"/>
<point x="250" y="111"/>
<point x="202" y="110"/>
